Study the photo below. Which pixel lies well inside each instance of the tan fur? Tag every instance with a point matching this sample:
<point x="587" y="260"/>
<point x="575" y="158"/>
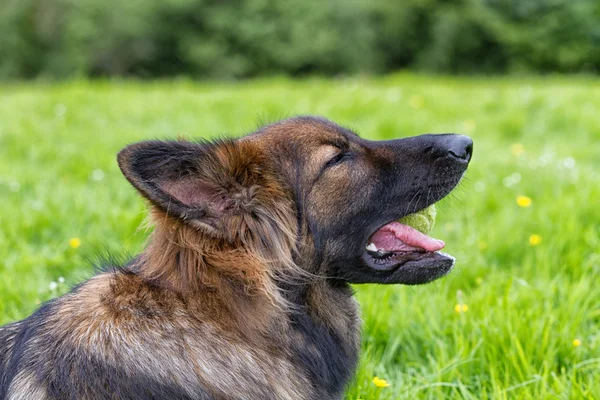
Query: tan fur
<point x="237" y="294"/>
<point x="100" y="319"/>
<point x="26" y="387"/>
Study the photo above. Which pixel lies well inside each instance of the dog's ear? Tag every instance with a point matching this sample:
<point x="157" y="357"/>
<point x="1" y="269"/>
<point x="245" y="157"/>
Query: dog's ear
<point x="199" y="183"/>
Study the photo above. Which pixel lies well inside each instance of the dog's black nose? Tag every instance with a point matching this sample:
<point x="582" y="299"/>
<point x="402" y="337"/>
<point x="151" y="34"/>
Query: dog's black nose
<point x="460" y="146"/>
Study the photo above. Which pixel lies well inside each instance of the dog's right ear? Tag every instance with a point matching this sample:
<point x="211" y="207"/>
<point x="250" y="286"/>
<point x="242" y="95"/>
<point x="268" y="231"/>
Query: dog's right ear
<point x="181" y="178"/>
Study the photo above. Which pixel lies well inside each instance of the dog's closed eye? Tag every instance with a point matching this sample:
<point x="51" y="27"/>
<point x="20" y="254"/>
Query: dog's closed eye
<point x="338" y="158"/>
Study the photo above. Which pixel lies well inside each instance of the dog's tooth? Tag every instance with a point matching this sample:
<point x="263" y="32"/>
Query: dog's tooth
<point x="372" y="247"/>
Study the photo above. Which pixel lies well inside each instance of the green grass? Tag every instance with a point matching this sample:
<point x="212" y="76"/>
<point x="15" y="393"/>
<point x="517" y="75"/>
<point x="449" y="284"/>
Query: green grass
<point x="526" y="304"/>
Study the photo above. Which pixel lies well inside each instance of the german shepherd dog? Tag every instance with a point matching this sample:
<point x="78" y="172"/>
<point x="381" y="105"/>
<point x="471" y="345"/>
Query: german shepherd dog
<point x="243" y="291"/>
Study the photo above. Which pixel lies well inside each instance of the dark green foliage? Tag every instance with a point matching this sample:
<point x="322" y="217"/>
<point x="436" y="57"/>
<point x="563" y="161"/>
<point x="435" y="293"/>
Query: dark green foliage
<point x="242" y="38"/>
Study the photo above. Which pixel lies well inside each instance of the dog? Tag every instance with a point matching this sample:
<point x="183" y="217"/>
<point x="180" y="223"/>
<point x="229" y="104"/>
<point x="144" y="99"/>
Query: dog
<point x="243" y="291"/>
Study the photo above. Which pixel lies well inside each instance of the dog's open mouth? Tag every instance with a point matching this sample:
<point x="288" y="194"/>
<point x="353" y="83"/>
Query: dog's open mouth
<point x="397" y="246"/>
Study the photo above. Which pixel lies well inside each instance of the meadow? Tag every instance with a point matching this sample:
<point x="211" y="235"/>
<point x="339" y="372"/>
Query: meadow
<point x="518" y="318"/>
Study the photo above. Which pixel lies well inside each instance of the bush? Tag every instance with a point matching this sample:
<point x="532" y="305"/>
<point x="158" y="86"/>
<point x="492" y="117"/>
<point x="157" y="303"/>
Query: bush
<point x="242" y="38"/>
<point x="496" y="36"/>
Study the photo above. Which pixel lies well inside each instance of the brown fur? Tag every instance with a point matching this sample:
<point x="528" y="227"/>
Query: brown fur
<point x="242" y="291"/>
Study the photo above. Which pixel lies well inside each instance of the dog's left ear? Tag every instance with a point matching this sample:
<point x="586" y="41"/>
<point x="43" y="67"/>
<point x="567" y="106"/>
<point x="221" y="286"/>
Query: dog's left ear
<point x="202" y="184"/>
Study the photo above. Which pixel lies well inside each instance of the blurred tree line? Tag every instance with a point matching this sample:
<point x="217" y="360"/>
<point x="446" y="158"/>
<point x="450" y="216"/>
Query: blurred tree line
<point x="243" y="38"/>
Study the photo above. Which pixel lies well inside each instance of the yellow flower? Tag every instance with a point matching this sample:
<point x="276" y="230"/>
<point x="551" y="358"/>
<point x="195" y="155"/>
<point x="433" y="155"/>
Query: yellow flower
<point x="461" y="308"/>
<point x="534" y="240"/>
<point x="75" y="242"/>
<point x="482" y="245"/>
<point x="576" y="342"/>
<point x="381" y="383"/>
<point x="523" y="201"/>
<point x="517" y="149"/>
<point x="416" y="101"/>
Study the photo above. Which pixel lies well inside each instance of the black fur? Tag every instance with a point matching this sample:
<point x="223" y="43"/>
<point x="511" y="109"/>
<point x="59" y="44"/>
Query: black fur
<point x="399" y="177"/>
<point x="17" y="337"/>
<point x="326" y="356"/>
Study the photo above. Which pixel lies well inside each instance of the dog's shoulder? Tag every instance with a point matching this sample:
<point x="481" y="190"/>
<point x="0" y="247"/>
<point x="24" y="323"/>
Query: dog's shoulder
<point x="138" y="340"/>
<point x="16" y="340"/>
<point x="8" y="336"/>
<point x="86" y="333"/>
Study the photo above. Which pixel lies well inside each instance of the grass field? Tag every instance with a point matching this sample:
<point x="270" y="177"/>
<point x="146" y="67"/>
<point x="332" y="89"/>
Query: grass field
<point x="518" y="318"/>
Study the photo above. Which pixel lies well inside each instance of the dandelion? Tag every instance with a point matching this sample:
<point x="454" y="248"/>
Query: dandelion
<point x="53" y="286"/>
<point x="512" y="179"/>
<point x="75" y="243"/>
<point x="517" y="149"/>
<point x="523" y="201"/>
<point x="535" y="239"/>
<point x="479" y="186"/>
<point x="576" y="342"/>
<point x="569" y="163"/>
<point x="416" y="101"/>
<point x="380" y="383"/>
<point x="97" y="175"/>
<point x="61" y="279"/>
<point x="461" y="308"/>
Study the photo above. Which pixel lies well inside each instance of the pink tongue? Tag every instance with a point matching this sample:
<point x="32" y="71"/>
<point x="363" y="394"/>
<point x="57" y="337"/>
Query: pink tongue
<point x="399" y="237"/>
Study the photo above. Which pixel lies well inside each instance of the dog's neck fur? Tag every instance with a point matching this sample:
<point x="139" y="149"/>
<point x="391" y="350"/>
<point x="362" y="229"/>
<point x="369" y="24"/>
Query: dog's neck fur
<point x="315" y="320"/>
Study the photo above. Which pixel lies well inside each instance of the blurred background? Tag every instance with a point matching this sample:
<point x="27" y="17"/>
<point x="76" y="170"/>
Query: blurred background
<point x="518" y="318"/>
<point x="245" y="38"/>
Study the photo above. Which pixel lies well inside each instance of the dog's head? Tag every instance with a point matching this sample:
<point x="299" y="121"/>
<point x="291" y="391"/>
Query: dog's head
<point x="308" y="188"/>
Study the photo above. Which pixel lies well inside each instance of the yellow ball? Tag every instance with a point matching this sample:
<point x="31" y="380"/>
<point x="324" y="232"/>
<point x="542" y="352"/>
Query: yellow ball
<point x="422" y="221"/>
